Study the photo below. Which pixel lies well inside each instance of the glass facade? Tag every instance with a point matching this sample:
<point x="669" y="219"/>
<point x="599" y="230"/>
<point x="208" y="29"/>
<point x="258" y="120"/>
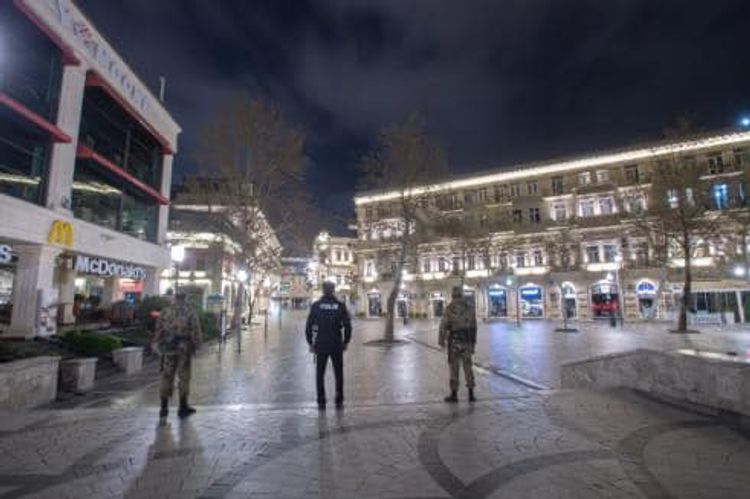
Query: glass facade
<point x="31" y="69"/>
<point x="111" y="132"/>
<point x="30" y="74"/>
<point x="104" y="199"/>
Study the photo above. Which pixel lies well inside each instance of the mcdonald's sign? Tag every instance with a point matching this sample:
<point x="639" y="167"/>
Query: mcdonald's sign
<point x="61" y="233"/>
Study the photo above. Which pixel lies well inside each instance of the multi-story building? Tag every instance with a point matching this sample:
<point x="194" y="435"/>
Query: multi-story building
<point x="559" y="239"/>
<point x="292" y="287"/>
<point x="85" y="169"/>
<point x="334" y="260"/>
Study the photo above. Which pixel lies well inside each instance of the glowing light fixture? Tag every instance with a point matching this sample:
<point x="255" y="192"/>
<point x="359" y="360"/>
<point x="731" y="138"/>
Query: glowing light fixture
<point x="177" y="253"/>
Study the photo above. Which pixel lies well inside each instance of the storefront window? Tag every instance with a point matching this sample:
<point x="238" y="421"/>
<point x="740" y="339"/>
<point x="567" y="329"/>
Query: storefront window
<point x="532" y="304"/>
<point x="106" y="200"/>
<point x="113" y="133"/>
<point x="31" y="68"/>
<point x="498" y="302"/>
<point x="604" y="296"/>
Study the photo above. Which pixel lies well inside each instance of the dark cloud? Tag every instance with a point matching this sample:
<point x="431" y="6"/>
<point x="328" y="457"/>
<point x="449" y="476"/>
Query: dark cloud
<point x="498" y="82"/>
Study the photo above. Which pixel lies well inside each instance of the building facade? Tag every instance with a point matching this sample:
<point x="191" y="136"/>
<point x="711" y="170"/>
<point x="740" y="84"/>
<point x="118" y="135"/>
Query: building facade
<point x="334" y="260"/>
<point x="291" y="287"/>
<point x="558" y="238"/>
<point x="85" y="171"/>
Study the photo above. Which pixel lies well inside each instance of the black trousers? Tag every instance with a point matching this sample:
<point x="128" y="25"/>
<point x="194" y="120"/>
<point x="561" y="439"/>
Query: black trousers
<point x="337" y="359"/>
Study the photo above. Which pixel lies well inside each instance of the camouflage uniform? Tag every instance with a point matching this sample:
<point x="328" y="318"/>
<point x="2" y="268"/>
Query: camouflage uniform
<point x="459" y="328"/>
<point x="178" y="335"/>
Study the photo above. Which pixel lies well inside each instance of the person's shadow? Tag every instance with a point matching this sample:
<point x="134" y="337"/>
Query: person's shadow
<point x="165" y="447"/>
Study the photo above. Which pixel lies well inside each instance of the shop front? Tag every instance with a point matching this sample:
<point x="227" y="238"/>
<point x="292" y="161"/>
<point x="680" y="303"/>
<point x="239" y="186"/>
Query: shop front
<point x="7" y="276"/>
<point x="604" y="299"/>
<point x="645" y="292"/>
<point x="402" y="306"/>
<point x="497" y="299"/>
<point x="532" y="301"/>
<point x="374" y="304"/>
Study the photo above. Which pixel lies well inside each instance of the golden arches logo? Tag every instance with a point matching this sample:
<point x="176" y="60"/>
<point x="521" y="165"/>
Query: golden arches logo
<point x="61" y="233"/>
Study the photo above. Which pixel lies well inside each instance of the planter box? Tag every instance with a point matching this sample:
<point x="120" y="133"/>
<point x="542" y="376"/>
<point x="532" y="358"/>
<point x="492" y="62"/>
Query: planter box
<point x="709" y="378"/>
<point x="28" y="383"/>
<point x="128" y="359"/>
<point x="77" y="375"/>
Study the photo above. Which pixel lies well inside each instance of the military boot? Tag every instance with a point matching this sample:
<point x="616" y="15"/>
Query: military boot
<point x="185" y="410"/>
<point x="164" y="411"/>
<point x="472" y="398"/>
<point x="452" y="398"/>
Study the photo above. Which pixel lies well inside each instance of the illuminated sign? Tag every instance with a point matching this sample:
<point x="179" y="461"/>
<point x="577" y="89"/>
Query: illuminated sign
<point x="645" y="288"/>
<point x="531" y="294"/>
<point x="61" y="233"/>
<point x="498" y="292"/>
<point x="6" y="254"/>
<point x="107" y="268"/>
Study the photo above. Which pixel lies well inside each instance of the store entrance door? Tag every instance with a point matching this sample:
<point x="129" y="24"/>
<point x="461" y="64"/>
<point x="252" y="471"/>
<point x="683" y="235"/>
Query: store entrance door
<point x="498" y="301"/>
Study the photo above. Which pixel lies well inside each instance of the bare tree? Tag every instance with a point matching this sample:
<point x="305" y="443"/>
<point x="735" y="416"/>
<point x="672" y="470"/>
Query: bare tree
<point x="253" y="177"/>
<point x="678" y="219"/>
<point x="406" y="161"/>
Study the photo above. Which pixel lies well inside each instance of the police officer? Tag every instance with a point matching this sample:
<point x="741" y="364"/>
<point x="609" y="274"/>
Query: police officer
<point x="459" y="329"/>
<point x="178" y="335"/>
<point x="328" y="317"/>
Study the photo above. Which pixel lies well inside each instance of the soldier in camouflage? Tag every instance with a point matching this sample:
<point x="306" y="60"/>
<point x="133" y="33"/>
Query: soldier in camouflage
<point x="178" y="335"/>
<point x="458" y="331"/>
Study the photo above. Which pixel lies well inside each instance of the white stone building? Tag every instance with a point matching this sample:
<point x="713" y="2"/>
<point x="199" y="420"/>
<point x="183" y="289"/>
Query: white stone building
<point x="86" y="156"/>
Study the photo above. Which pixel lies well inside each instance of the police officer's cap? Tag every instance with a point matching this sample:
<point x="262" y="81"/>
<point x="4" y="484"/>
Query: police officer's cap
<point x="328" y="288"/>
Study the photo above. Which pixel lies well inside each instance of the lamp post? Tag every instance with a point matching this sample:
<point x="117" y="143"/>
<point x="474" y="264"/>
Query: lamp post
<point x="177" y="254"/>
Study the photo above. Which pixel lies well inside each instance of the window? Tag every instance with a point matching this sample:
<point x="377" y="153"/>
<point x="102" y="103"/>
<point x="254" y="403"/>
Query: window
<point x="468" y="198"/>
<point x="534" y="216"/>
<point x="586" y="207"/>
<point x="715" y="164"/>
<point x="338" y="255"/>
<point x="560" y="212"/>
<point x="740" y="157"/>
<point x="673" y="199"/>
<point x="368" y="212"/>
<point x="557" y="186"/>
<point x="632" y="175"/>
<point x="584" y="178"/>
<point x="742" y="193"/>
<point x="482" y="195"/>
<point x="641" y="254"/>
<point x="636" y="203"/>
<point x="369" y="269"/>
<point x="517" y="216"/>
<point x="720" y="194"/>
<point x="456" y="264"/>
<point x="602" y="176"/>
<point x="520" y="259"/>
<point x="471" y="262"/>
<point x="502" y="260"/>
<point x="532" y="188"/>
<point x="483" y="221"/>
<point x="610" y="253"/>
<point x="592" y="254"/>
<point x="515" y="190"/>
<point x="501" y="193"/>
<point x="455" y="204"/>
<point x="107" y="200"/>
<point x="538" y="258"/>
<point x="442" y="265"/>
<point x="606" y="206"/>
<point x="426" y="267"/>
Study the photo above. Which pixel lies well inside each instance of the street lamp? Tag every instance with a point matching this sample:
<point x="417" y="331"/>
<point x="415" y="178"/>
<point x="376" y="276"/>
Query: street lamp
<point x="618" y="264"/>
<point x="177" y="253"/>
<point x="745" y="122"/>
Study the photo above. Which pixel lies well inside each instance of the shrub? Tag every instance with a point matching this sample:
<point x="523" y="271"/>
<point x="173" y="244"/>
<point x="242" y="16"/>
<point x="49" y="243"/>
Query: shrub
<point x="91" y="344"/>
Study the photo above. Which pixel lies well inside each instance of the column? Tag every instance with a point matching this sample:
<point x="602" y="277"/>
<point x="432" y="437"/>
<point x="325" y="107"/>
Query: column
<point x="67" y="286"/>
<point x="741" y="306"/>
<point x="166" y="183"/>
<point x="111" y="291"/>
<point x="34" y="279"/>
<point x="63" y="156"/>
<point x="152" y="281"/>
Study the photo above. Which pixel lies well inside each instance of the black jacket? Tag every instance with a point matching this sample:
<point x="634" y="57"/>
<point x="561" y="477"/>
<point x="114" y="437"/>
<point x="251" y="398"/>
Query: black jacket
<point x="327" y="318"/>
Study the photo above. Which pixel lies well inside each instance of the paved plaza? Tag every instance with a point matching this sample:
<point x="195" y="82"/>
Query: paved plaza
<point x="259" y="434"/>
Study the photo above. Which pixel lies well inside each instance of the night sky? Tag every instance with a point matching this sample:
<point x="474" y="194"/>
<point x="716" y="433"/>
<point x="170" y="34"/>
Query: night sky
<point x="497" y="81"/>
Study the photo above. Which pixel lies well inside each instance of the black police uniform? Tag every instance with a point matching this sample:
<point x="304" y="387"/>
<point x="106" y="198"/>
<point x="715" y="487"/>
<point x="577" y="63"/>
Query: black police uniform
<point x="327" y="318"/>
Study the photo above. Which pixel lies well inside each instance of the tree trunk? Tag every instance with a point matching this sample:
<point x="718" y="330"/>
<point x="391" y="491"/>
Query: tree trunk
<point x="686" y="292"/>
<point x="237" y="315"/>
<point x="390" y="311"/>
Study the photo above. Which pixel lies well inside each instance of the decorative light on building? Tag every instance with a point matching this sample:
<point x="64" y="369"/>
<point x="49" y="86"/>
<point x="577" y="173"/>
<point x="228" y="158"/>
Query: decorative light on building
<point x="745" y="122"/>
<point x="739" y="271"/>
<point x="177" y="253"/>
<point x="242" y="275"/>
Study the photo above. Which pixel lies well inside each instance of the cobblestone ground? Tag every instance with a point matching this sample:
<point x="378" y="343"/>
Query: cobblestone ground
<point x="257" y="434"/>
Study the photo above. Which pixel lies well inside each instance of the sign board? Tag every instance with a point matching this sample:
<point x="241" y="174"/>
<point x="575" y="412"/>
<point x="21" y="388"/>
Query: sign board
<point x="531" y="293"/>
<point x="645" y="288"/>
<point x="107" y="268"/>
<point x="61" y="232"/>
<point x="6" y="253"/>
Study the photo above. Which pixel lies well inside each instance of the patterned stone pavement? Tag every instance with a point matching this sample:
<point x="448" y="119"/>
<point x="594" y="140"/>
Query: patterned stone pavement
<point x="257" y="434"/>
